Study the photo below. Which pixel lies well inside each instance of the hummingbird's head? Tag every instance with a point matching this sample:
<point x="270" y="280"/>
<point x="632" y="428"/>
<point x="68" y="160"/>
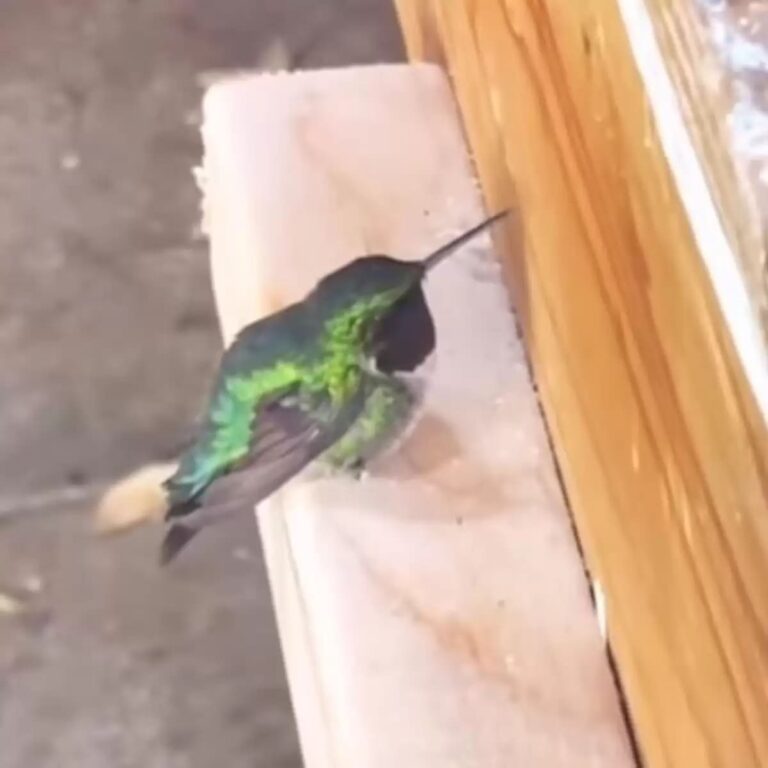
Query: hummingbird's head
<point x="367" y="287"/>
<point x="373" y="282"/>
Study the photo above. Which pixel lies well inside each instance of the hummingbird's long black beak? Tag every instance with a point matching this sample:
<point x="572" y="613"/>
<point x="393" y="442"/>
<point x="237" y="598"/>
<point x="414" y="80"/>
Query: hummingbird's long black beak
<point x="441" y="253"/>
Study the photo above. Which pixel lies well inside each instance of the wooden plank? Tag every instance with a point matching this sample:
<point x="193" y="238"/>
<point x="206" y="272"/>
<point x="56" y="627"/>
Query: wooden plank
<point x="654" y="408"/>
<point x="436" y="613"/>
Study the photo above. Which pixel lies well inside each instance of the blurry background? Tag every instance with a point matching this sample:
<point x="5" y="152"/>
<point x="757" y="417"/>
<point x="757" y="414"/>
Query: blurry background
<point x="108" y="340"/>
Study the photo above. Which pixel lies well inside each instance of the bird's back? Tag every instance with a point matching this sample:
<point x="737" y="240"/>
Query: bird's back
<point x="266" y="357"/>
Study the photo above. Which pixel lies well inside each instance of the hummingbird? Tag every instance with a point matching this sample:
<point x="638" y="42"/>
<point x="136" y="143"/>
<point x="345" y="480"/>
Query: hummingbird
<point x="319" y="379"/>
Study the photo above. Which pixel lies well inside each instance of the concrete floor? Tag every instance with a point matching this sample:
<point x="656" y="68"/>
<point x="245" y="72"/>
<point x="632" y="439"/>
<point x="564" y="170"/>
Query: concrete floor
<point x="108" y="341"/>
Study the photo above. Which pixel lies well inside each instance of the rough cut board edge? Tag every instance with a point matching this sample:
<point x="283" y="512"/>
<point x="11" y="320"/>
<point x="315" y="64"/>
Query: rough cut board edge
<point x="284" y="522"/>
<point x="660" y="438"/>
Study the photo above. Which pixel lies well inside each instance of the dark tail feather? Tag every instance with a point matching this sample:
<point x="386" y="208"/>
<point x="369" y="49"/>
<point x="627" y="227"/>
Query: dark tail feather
<point x="177" y="537"/>
<point x="441" y="253"/>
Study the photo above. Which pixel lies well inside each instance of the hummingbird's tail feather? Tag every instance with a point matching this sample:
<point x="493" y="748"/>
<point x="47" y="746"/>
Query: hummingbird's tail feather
<point x="446" y="250"/>
<point x="176" y="538"/>
<point x="133" y="500"/>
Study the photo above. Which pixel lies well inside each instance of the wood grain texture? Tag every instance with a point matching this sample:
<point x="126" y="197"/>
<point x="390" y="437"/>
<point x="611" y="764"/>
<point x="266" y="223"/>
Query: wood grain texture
<point x="661" y="441"/>
<point x="436" y="613"/>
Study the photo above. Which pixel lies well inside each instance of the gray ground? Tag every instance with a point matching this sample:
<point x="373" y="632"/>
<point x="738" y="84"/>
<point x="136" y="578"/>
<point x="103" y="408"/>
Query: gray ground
<point x="107" y="341"/>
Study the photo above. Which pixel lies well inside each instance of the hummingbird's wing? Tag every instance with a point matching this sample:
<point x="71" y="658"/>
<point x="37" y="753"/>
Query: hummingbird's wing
<point x="405" y="337"/>
<point x="285" y="439"/>
<point x="287" y="435"/>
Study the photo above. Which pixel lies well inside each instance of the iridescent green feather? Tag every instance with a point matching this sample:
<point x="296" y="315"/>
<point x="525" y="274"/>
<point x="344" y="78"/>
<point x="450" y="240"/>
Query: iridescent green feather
<point x="333" y="370"/>
<point x="389" y="404"/>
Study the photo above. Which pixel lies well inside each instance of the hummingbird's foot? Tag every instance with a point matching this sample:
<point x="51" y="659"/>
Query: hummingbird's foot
<point x="353" y="467"/>
<point x="357" y="469"/>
